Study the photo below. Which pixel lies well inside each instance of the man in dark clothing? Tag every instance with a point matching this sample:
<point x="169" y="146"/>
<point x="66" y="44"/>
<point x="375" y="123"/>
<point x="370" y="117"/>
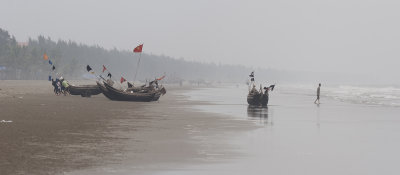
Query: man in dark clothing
<point x="318" y="93"/>
<point x="54" y="83"/>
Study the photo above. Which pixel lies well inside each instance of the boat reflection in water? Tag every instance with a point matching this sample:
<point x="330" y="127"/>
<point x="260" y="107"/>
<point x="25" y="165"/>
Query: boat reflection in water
<point x="257" y="113"/>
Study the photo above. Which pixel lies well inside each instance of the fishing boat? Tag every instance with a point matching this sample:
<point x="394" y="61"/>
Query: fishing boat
<point x="119" y="95"/>
<point x="84" y="90"/>
<point x="105" y="92"/>
<point x="257" y="98"/>
<point x="158" y="90"/>
<point x="150" y="93"/>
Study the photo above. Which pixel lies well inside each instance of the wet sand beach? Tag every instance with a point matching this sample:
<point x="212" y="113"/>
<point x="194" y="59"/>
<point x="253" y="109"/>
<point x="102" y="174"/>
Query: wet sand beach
<point x="73" y="135"/>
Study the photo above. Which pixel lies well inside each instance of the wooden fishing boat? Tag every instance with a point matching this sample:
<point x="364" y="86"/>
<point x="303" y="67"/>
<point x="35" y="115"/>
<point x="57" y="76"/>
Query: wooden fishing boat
<point x="256" y="98"/>
<point x="115" y="94"/>
<point x="84" y="90"/>
<point x="158" y="92"/>
<point x="105" y="92"/>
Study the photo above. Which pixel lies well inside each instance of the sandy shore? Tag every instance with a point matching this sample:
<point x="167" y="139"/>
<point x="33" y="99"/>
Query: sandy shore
<point x="48" y="134"/>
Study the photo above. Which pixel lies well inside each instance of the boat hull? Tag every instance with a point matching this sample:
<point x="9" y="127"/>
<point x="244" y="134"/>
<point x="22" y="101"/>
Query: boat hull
<point x="84" y="90"/>
<point x="257" y="99"/>
<point x="115" y="94"/>
<point x="105" y="92"/>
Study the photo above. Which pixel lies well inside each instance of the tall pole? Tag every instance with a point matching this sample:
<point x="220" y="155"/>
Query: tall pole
<point x="137" y="66"/>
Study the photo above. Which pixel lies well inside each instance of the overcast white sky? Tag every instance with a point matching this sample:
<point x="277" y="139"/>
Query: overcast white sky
<point x="360" y="36"/>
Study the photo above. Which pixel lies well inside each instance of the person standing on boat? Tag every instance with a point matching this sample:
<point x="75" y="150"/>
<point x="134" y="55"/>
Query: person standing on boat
<point x="318" y="93"/>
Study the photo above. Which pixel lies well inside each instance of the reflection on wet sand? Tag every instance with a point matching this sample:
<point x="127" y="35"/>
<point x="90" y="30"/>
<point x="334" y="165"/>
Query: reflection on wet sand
<point x="258" y="112"/>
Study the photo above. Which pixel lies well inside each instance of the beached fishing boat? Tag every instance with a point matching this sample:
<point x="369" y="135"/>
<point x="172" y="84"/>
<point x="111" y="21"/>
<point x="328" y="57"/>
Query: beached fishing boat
<point x="84" y="90"/>
<point x="158" y="92"/>
<point x="115" y="94"/>
<point x="105" y="92"/>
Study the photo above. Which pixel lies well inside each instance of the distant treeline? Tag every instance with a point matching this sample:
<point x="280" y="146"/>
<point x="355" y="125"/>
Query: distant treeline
<point x="24" y="61"/>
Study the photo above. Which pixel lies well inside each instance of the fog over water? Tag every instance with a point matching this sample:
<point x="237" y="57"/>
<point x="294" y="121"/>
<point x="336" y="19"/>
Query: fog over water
<point x="346" y="36"/>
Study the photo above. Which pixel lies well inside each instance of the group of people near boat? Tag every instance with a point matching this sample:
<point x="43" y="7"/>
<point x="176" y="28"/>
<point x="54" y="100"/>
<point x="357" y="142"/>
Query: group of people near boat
<point x="61" y="86"/>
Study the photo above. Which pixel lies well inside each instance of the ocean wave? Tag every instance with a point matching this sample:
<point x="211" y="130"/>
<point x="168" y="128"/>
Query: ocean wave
<point x="384" y="96"/>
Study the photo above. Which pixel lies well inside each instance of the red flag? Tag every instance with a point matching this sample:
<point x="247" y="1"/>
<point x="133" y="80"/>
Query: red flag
<point x="158" y="79"/>
<point x="45" y="57"/>
<point x="104" y="68"/>
<point x="123" y="79"/>
<point x="138" y="48"/>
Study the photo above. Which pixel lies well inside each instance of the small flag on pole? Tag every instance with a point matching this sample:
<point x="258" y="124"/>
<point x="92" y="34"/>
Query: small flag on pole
<point x="138" y="48"/>
<point x="45" y="57"/>
<point x="53" y="68"/>
<point x="123" y="79"/>
<point x="109" y="74"/>
<point x="88" y="68"/>
<point x="104" y="68"/>
<point x="158" y="79"/>
<point x="51" y="63"/>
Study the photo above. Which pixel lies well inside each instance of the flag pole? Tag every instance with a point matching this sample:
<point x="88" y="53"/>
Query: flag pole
<point x="137" y="66"/>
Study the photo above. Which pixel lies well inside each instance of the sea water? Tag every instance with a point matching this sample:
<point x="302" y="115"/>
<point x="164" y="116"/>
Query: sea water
<point x="355" y="130"/>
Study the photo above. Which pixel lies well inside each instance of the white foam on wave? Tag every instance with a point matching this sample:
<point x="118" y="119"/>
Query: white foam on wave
<point x="386" y="96"/>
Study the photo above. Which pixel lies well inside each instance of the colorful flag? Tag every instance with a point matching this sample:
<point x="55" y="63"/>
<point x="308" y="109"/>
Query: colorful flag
<point x="88" y="68"/>
<point x="158" y="79"/>
<point x="49" y="77"/>
<point x="53" y="68"/>
<point x="51" y="63"/>
<point x="109" y="74"/>
<point x="45" y="57"/>
<point x="104" y="68"/>
<point x="123" y="79"/>
<point x="138" y="48"/>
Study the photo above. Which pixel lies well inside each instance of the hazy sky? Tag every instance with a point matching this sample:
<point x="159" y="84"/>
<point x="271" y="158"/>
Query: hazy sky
<point x="361" y="36"/>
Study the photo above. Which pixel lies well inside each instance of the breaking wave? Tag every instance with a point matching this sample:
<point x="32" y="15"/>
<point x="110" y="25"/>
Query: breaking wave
<point x="387" y="96"/>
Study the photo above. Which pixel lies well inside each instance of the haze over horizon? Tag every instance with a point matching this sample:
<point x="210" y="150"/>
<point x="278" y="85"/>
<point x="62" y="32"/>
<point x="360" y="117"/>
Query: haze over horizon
<point x="351" y="37"/>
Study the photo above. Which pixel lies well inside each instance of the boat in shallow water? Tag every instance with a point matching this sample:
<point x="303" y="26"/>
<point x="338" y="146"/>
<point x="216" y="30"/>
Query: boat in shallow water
<point x="257" y="98"/>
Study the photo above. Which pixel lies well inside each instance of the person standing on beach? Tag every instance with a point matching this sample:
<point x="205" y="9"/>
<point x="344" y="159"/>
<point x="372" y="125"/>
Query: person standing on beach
<point x="318" y="93"/>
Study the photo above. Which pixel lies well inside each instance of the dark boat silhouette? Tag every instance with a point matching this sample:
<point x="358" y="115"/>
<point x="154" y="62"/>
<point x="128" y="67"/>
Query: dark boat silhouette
<point x="257" y="98"/>
<point x="84" y="90"/>
<point x="119" y="95"/>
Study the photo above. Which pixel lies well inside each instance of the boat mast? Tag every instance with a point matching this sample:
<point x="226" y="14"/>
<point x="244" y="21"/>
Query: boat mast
<point x="137" y="67"/>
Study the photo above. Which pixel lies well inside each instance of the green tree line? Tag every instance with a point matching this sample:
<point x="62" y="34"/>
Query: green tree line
<point x="25" y="62"/>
